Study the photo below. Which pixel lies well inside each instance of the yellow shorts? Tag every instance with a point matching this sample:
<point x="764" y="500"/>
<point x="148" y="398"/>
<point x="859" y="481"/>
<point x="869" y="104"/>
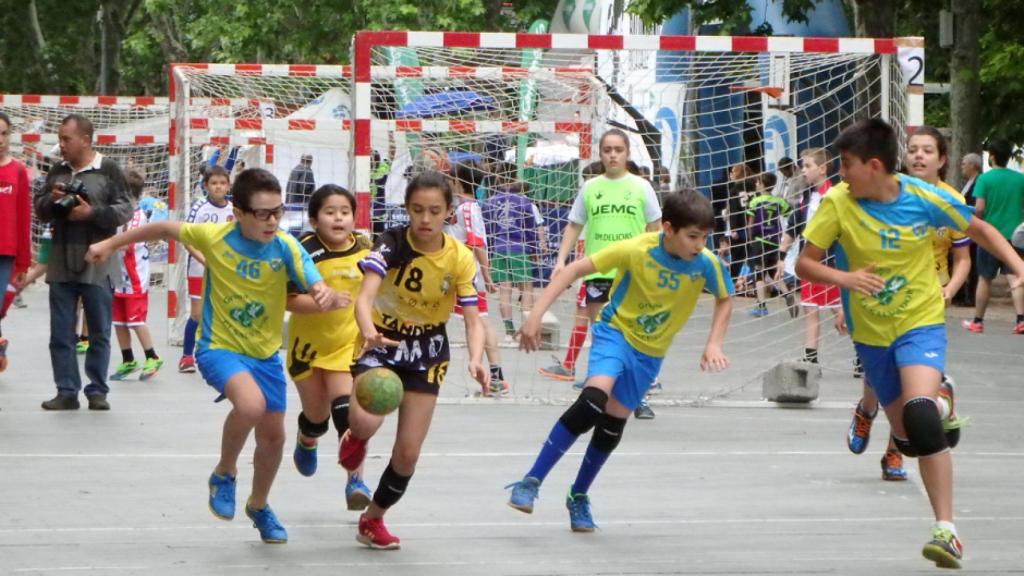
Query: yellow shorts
<point x="304" y="355"/>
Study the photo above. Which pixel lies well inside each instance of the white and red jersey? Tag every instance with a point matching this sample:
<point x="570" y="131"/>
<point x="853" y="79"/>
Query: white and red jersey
<point x="135" y="261"/>
<point x="202" y="212"/>
<point x="467" y="226"/>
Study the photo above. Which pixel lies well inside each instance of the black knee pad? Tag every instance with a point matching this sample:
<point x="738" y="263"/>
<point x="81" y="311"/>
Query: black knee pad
<point x="391" y="488"/>
<point x="924" y="427"/>
<point x="903" y="445"/>
<point x="608" y="433"/>
<point x="339" y="413"/>
<point x="584" y="413"/>
<point x="312" y="429"/>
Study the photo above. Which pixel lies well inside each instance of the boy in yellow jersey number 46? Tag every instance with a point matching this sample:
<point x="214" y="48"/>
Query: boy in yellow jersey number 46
<point x="880" y="225"/>
<point x="658" y="278"/>
<point x="248" y="266"/>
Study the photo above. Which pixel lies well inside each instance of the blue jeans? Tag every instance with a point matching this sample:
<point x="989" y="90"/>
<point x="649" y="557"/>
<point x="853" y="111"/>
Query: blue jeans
<point x="97" y="301"/>
<point x="6" y="268"/>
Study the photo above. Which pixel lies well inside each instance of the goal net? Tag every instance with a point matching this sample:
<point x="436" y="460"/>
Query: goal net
<point x="525" y="111"/>
<point x="254" y="116"/>
<point x="131" y="130"/>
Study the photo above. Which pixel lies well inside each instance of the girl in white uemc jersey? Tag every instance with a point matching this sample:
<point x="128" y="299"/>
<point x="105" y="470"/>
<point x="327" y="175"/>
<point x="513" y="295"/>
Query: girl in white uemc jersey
<point x="214" y="209"/>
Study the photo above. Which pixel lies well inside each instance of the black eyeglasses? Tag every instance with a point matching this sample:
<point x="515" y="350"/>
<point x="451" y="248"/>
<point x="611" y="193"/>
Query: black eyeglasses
<point x="264" y="214"/>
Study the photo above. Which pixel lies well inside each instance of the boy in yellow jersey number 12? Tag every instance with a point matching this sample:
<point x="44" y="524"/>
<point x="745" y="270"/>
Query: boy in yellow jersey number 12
<point x="880" y="224"/>
<point x="248" y="266"/>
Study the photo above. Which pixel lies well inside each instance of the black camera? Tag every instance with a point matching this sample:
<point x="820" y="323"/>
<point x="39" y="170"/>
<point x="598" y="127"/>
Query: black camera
<point x="73" y="190"/>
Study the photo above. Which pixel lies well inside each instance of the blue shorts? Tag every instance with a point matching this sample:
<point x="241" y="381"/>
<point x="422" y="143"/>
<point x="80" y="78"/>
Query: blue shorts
<point x="633" y="371"/>
<point x="924" y="346"/>
<point x="217" y="366"/>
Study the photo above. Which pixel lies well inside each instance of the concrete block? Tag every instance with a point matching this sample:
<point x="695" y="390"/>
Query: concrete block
<point x="550" y="332"/>
<point x="792" y="382"/>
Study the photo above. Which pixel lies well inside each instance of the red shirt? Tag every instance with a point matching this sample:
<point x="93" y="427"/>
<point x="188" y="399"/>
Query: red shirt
<point x="15" y="215"/>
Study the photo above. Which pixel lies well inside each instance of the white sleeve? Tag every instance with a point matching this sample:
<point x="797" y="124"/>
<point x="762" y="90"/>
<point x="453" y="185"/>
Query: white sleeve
<point x="652" y="210"/>
<point x="476" y="221"/>
<point x="578" y="214"/>
<point x="538" y="220"/>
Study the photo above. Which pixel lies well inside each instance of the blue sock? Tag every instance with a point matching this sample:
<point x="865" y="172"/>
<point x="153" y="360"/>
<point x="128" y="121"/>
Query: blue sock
<point x="593" y="460"/>
<point x="559" y="440"/>
<point x="190" y="337"/>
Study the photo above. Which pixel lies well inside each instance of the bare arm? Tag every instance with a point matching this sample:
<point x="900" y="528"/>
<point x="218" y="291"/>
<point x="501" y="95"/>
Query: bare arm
<point x="364" y="312"/>
<point x="530" y="332"/>
<point x="961" y="269"/>
<point x="810" y="268"/>
<point x="979" y="207"/>
<point x="569" y="237"/>
<point x="475" y="339"/>
<point x="165" y="230"/>
<point x="653" y="225"/>
<point x="713" y="359"/>
<point x="307" y="304"/>
<point x="993" y="242"/>
<point x="196" y="255"/>
<point x="480" y="253"/>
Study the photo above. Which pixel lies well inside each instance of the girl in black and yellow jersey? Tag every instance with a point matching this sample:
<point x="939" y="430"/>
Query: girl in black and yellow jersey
<point x="321" y="344"/>
<point x="412" y="278"/>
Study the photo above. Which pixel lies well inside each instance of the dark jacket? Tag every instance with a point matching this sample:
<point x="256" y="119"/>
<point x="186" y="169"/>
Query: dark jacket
<point x="112" y="205"/>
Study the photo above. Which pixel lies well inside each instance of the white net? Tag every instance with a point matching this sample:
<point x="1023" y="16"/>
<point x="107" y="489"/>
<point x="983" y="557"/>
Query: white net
<point x="529" y="120"/>
<point x="131" y="130"/>
<point x="291" y="120"/>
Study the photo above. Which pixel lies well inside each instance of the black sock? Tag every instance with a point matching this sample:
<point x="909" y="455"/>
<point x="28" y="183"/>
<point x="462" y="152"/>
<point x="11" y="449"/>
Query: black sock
<point x="151" y="354"/>
<point x="496" y="373"/>
<point x="83" y="338"/>
<point x="1020" y="318"/>
<point x="127" y="355"/>
<point x="510" y="328"/>
<point x="811" y="355"/>
<point x="979" y="319"/>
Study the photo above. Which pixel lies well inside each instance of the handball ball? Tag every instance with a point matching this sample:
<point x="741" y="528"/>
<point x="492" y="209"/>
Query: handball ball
<point x="378" y="391"/>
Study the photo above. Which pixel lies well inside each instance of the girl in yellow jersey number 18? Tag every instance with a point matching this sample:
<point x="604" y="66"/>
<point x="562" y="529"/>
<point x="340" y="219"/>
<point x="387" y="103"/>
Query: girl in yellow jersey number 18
<point x="412" y="278"/>
<point x="321" y="344"/>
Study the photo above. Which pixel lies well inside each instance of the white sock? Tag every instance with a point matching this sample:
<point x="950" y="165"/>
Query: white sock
<point x="947" y="526"/>
<point x="943" y="405"/>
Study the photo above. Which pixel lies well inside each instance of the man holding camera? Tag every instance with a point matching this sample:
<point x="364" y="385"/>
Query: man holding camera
<point x="86" y="198"/>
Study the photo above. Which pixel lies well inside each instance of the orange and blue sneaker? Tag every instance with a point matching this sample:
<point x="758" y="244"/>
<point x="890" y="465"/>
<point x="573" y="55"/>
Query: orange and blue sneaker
<point x="373" y="533"/>
<point x="264" y="520"/>
<point x="357" y="493"/>
<point x="304" y="457"/>
<point x="222" y="496"/>
<point x="892" y="466"/>
<point x="859" y="434"/>
<point x="944" y="549"/>
<point x="524" y="493"/>
<point x="580" y="519"/>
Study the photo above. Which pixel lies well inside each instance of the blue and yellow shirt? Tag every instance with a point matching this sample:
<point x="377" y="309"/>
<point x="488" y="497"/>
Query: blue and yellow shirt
<point x="653" y="293"/>
<point x="245" y="286"/>
<point x="897" y="237"/>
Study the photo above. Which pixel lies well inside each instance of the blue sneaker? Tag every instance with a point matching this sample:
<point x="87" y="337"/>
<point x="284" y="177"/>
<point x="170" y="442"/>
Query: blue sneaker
<point x="305" y="458"/>
<point x="580" y="519"/>
<point x="270" y="529"/>
<point x="859" y="434"/>
<point x="758" y="312"/>
<point x="579" y="386"/>
<point x="524" y="493"/>
<point x="222" y="496"/>
<point x="357" y="493"/>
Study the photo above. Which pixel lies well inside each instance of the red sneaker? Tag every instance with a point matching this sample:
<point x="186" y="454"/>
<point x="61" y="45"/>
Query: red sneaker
<point x="1019" y="328"/>
<point x="187" y="365"/>
<point x="972" y="326"/>
<point x="373" y="533"/>
<point x="352" y="451"/>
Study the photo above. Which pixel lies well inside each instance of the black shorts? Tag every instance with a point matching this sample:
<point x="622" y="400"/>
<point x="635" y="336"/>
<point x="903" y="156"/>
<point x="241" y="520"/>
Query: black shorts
<point x="598" y="290"/>
<point x="989" y="266"/>
<point x="421" y="361"/>
<point x="762" y="257"/>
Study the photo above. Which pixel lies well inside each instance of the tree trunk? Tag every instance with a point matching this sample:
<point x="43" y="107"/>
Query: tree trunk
<point x="965" y="85"/>
<point x="39" y="46"/>
<point x="874" y="18"/>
